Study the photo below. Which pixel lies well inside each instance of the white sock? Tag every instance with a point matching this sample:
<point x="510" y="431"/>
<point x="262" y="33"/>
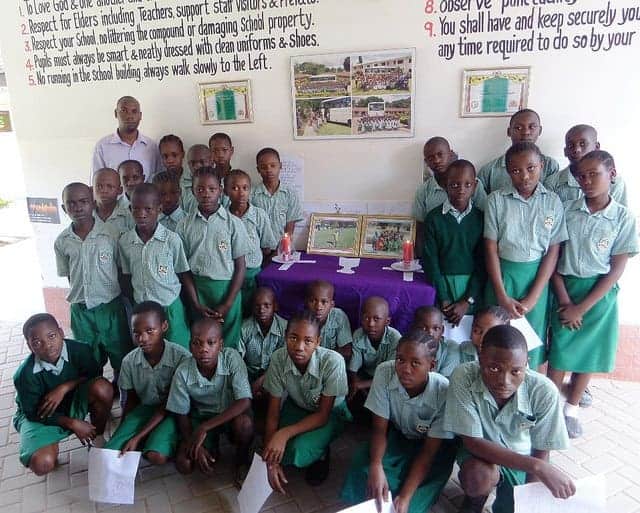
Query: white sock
<point x="571" y="410"/>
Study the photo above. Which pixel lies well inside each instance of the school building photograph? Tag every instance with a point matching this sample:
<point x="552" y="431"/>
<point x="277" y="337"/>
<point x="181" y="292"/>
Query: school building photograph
<point x="300" y="256"/>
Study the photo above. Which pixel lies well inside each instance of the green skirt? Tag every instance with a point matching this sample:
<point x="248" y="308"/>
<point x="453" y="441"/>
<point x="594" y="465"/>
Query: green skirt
<point x="397" y="462"/>
<point x="105" y="328"/>
<point x="457" y="287"/>
<point x="249" y="287"/>
<point x="163" y="439"/>
<point x="178" y="331"/>
<point x="213" y="292"/>
<point x="36" y="435"/>
<point x="509" y="477"/>
<point x="593" y="347"/>
<point x="518" y="277"/>
<point x="306" y="448"/>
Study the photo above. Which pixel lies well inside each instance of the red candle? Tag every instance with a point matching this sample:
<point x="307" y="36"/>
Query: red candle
<point x="407" y="252"/>
<point x="285" y="246"/>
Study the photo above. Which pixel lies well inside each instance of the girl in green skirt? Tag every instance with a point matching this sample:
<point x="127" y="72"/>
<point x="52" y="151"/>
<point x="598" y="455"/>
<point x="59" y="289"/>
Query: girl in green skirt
<point x="314" y="379"/>
<point x="410" y="454"/>
<point x="523" y="228"/>
<point x="584" y="320"/>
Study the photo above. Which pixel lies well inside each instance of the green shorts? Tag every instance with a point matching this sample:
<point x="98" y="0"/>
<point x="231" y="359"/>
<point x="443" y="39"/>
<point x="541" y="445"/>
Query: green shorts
<point x="105" y="328"/>
<point x="212" y="293"/>
<point x="36" y="435"/>
<point x="509" y="478"/>
<point x="163" y="439"/>
<point x="397" y="462"/>
<point x="306" y="448"/>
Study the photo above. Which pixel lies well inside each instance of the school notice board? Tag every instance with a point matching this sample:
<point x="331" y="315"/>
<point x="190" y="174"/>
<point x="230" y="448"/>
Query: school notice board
<point x="494" y="91"/>
<point x="353" y="95"/>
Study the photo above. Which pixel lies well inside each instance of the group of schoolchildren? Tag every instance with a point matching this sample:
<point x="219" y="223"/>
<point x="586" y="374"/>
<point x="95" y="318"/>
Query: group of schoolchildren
<point x="171" y="266"/>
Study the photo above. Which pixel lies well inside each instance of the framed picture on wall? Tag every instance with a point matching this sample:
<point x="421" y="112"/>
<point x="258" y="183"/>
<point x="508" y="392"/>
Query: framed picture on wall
<point x="382" y="236"/>
<point x="353" y="95"/>
<point x="492" y="92"/>
<point x="334" y="234"/>
<point x="225" y="102"/>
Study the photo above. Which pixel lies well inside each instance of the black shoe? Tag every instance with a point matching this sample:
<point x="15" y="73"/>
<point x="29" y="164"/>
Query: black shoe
<point x="318" y="471"/>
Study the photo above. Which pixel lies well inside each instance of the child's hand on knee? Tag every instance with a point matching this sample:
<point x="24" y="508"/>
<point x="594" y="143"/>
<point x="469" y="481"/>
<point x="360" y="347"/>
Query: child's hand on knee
<point x="131" y="445"/>
<point x="83" y="430"/>
<point x="195" y="444"/>
<point x="274" y="451"/>
<point x="276" y="477"/>
<point x="204" y="460"/>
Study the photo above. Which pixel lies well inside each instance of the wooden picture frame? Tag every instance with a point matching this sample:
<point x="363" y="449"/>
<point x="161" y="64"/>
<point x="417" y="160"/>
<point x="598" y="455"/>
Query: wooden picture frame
<point x="383" y="235"/>
<point x="494" y="92"/>
<point x="334" y="234"/>
<point x="225" y="102"/>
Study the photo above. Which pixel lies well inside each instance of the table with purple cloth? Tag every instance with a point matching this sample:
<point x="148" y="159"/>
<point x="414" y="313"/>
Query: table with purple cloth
<point x="351" y="290"/>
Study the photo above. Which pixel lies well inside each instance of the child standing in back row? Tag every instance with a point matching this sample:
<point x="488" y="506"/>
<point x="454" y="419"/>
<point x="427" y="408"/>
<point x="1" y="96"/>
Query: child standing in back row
<point x="106" y="189"/>
<point x="87" y="254"/>
<point x="216" y="244"/>
<point x="524" y="127"/>
<point x="453" y="256"/>
<point x="584" y="322"/>
<point x="261" y="239"/>
<point x="131" y="175"/>
<point x="168" y="186"/>
<point x="280" y="203"/>
<point x="523" y="228"/>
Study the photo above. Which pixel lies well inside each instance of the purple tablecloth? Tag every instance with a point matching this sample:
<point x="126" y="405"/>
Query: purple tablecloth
<point x="370" y="279"/>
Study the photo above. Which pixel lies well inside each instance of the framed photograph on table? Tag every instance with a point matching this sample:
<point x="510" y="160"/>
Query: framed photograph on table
<point x="493" y="92"/>
<point x="382" y="236"/>
<point x="334" y="234"/>
<point x="225" y="102"/>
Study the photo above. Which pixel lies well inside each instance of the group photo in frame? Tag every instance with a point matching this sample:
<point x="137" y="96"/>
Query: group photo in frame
<point x="383" y="236"/>
<point x="225" y="102"/>
<point x="334" y="234"/>
<point x="353" y="94"/>
<point x="494" y="92"/>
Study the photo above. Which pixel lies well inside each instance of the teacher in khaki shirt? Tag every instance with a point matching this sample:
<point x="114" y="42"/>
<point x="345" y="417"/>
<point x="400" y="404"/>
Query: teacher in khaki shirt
<point x="127" y="143"/>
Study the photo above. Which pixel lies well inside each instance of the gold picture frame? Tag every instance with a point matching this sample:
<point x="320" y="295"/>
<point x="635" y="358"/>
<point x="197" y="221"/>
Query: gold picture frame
<point x="225" y="102"/>
<point x="334" y="234"/>
<point x="382" y="235"/>
<point x="494" y="92"/>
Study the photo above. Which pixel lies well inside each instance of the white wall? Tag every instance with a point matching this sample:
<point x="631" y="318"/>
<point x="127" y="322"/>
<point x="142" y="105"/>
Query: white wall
<point x="58" y="126"/>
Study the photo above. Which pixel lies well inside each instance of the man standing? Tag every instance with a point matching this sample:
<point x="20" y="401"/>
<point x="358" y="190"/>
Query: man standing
<point x="127" y="143"/>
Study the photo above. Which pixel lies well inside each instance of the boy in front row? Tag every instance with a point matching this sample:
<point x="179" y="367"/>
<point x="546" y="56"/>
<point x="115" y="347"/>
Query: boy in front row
<point x="509" y="418"/>
<point x="55" y="387"/>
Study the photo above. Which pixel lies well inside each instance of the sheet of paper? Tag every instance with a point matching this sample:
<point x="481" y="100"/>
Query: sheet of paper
<point x="370" y="507"/>
<point x="590" y="497"/>
<point x="532" y="338"/>
<point x="292" y="173"/>
<point x="285" y="267"/>
<point x="112" y="477"/>
<point x="255" y="489"/>
<point x="461" y="332"/>
<point x="346" y="270"/>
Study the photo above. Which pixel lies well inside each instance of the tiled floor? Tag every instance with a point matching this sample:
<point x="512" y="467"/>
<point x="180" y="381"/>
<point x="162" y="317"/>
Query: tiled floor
<point x="611" y="445"/>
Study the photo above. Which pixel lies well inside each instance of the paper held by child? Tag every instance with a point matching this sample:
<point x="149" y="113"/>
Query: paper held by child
<point x="591" y="496"/>
<point x="112" y="476"/>
<point x="462" y="331"/>
<point x="370" y="507"/>
<point x="255" y="489"/>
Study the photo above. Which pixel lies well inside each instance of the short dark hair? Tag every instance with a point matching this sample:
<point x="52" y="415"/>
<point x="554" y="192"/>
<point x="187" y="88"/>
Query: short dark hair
<point x="504" y="337"/>
<point x="206" y="171"/>
<point x="438" y="140"/>
<point x="36" y="319"/>
<point x="267" y="151"/>
<point x="460" y="164"/>
<point x="166" y="177"/>
<point x="522" y="147"/>
<point x="604" y="157"/>
<point x="236" y="173"/>
<point x="150" y="307"/>
<point x="304" y="316"/>
<point x="420" y="337"/>
<point x="131" y="162"/>
<point x="172" y="139"/>
<point x="208" y="321"/>
<point x="74" y="185"/>
<point x="318" y="283"/>
<point x="428" y="310"/>
<point x="144" y="189"/>
<point x="523" y="111"/>
<point x="497" y="311"/>
<point x="220" y="135"/>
